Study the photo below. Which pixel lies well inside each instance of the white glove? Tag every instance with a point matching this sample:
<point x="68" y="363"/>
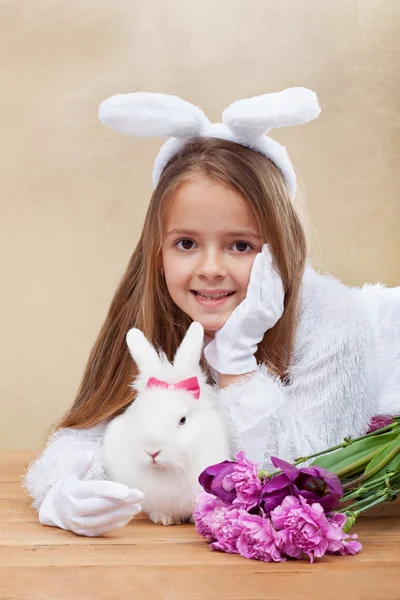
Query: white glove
<point x="232" y="350"/>
<point x="89" y="508"/>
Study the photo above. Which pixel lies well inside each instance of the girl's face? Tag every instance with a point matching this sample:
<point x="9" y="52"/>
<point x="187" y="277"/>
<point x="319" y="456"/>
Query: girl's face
<point x="210" y="242"/>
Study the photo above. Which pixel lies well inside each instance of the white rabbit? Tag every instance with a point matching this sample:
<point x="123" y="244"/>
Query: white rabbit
<point x="166" y="437"/>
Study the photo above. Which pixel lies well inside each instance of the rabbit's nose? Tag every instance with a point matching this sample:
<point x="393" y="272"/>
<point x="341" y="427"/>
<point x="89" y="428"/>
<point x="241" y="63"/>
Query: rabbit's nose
<point x="154" y="454"/>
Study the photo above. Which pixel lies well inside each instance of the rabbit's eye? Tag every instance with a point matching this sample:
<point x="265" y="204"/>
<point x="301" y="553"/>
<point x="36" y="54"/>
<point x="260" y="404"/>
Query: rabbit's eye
<point x="182" y="421"/>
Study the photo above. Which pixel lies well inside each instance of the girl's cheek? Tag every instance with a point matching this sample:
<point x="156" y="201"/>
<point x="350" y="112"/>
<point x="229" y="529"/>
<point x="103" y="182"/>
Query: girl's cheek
<point x="243" y="272"/>
<point x="171" y="258"/>
<point x="177" y="269"/>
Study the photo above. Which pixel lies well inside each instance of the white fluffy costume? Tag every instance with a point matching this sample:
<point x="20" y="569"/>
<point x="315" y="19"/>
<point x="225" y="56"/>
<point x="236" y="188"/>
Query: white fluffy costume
<point x="345" y="370"/>
<point x="345" y="367"/>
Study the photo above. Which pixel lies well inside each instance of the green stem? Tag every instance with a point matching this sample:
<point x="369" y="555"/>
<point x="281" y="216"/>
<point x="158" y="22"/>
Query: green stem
<point x="359" y="463"/>
<point x="360" y="506"/>
<point x="346" y="442"/>
<point x="354" y="494"/>
<point x="374" y="470"/>
<point x="379" y="499"/>
<point x="370" y="485"/>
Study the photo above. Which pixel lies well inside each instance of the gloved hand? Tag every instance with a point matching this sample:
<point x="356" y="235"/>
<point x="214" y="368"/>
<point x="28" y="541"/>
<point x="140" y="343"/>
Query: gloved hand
<point x="89" y="508"/>
<point x="232" y="350"/>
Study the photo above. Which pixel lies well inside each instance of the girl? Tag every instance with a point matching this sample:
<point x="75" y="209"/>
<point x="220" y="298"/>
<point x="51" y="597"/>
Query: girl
<point x="299" y="359"/>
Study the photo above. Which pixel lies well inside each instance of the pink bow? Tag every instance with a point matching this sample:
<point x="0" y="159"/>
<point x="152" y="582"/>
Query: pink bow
<point x="190" y="385"/>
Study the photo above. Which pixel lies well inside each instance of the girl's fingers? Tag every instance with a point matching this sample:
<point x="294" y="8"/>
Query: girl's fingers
<point x="272" y="285"/>
<point x="267" y="253"/>
<point x="108" y="519"/>
<point x="279" y="292"/>
<point x="266" y="288"/>
<point x="101" y="489"/>
<point x="110" y="527"/>
<point x="253" y="289"/>
<point x="93" y="506"/>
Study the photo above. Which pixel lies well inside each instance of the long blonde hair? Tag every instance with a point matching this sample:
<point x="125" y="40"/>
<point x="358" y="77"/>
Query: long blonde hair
<point x="142" y="299"/>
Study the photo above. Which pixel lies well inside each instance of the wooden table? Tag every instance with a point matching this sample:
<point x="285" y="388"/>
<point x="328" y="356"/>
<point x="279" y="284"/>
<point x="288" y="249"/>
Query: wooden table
<point x="146" y="561"/>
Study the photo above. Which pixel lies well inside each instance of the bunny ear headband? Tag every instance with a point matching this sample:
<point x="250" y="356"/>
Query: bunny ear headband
<point x="245" y="122"/>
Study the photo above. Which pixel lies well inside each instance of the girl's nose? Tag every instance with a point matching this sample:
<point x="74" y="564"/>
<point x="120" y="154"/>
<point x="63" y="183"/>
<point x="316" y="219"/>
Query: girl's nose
<point x="211" y="266"/>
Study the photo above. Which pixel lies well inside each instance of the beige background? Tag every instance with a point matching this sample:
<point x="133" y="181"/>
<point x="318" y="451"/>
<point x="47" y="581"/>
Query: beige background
<point x="74" y="194"/>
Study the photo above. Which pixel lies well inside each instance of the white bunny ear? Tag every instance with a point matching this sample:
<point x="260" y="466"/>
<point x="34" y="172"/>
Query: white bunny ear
<point x="189" y="352"/>
<point x="152" y="115"/>
<point x="142" y="352"/>
<point x="253" y="117"/>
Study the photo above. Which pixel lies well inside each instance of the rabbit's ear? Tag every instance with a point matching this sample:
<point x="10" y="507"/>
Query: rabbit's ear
<point x="189" y="352"/>
<point x="142" y="352"/>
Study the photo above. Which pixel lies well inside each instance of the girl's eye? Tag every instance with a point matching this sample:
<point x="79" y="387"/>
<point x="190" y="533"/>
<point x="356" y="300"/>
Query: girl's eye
<point x="185" y="244"/>
<point x="242" y="247"/>
<point x="182" y="421"/>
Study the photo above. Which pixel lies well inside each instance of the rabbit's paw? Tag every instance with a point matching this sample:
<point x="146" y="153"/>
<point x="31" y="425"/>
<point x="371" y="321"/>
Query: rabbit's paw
<point x="168" y="520"/>
<point x="162" y="519"/>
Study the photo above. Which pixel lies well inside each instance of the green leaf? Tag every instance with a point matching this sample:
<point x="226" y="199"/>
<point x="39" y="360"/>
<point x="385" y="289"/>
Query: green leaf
<point x="340" y="459"/>
<point x="392" y="465"/>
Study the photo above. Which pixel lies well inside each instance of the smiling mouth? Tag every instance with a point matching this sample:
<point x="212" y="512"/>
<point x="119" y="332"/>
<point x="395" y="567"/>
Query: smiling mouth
<point x="212" y="296"/>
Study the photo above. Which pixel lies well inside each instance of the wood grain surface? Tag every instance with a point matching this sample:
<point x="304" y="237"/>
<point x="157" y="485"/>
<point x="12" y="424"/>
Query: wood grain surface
<point x="143" y="560"/>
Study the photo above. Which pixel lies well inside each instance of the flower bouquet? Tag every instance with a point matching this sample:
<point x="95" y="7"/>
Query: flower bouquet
<point x="294" y="512"/>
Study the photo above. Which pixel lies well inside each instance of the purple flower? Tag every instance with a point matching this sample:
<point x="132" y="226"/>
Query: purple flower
<point x="305" y="529"/>
<point x="225" y="530"/>
<point x="257" y="538"/>
<point x="246" y="481"/>
<point x="346" y="547"/>
<point x="315" y="484"/>
<point x="212" y="480"/>
<point x="215" y="521"/>
<point x="236" y="483"/>
<point x="203" y="513"/>
<point x="379" y="422"/>
<point x="350" y="547"/>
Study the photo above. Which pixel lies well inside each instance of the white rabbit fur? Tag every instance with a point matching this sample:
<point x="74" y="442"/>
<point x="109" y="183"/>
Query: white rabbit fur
<point x="152" y="423"/>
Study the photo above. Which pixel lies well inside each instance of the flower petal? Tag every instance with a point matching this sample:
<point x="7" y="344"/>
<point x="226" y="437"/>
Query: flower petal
<point x="286" y="467"/>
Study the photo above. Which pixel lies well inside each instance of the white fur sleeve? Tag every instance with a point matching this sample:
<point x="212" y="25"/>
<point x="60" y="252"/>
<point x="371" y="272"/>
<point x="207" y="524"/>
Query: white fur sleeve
<point x="333" y="393"/>
<point x="383" y="304"/>
<point x="63" y="448"/>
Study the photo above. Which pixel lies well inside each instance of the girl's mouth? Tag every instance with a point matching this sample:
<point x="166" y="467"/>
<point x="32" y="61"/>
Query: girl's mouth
<point x="215" y="299"/>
